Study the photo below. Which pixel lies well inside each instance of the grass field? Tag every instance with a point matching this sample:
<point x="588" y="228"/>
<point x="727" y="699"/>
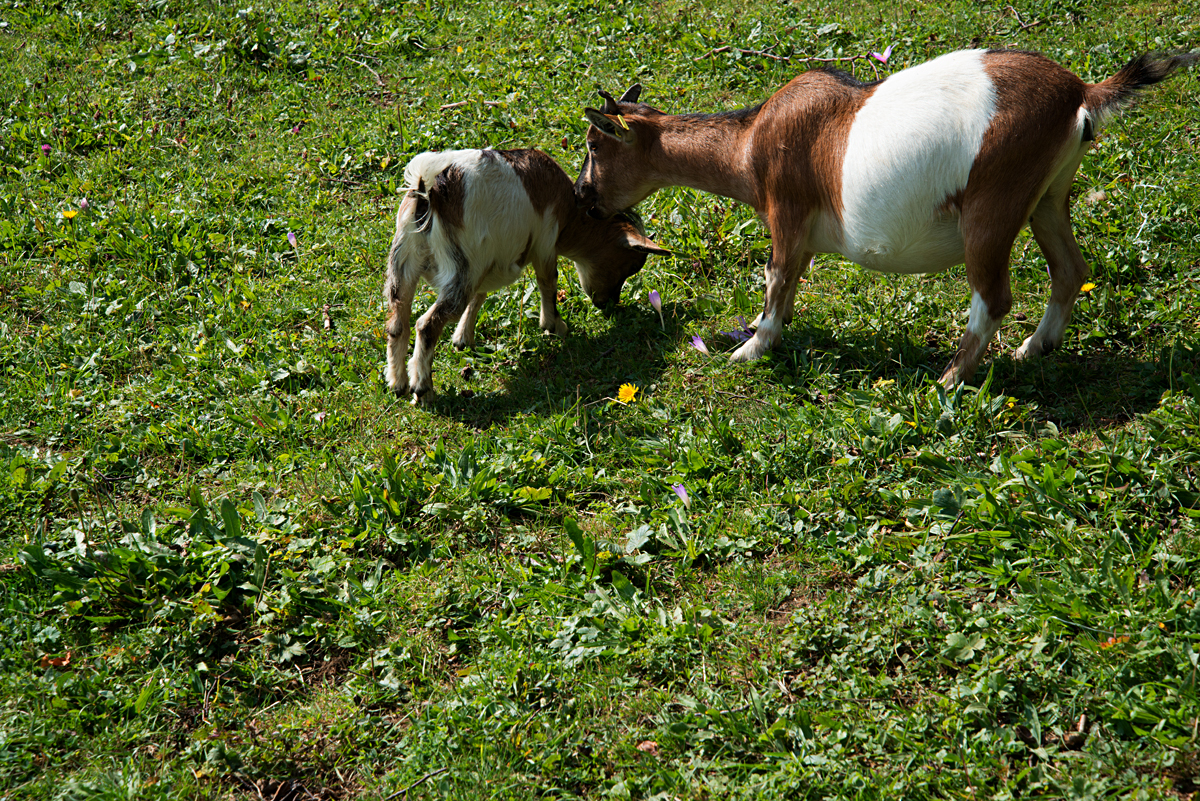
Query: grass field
<point x="233" y="566"/>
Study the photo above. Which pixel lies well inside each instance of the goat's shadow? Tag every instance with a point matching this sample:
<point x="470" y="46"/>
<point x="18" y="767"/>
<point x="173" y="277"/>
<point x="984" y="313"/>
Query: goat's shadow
<point x="1073" y="390"/>
<point x="1077" y="391"/>
<point x="1089" y="391"/>
<point x="548" y="372"/>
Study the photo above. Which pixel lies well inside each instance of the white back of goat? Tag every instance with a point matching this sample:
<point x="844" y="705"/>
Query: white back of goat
<point x="940" y="164"/>
<point x="470" y="220"/>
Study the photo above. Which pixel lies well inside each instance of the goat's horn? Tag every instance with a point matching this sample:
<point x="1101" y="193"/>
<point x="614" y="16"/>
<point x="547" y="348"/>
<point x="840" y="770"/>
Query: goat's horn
<point x="610" y="105"/>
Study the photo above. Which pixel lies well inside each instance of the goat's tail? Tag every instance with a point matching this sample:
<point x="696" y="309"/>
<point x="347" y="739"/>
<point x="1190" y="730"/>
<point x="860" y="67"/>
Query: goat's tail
<point x="1105" y="99"/>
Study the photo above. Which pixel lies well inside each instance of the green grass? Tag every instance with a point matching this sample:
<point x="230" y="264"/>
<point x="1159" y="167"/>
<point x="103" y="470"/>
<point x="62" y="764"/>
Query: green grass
<point x="232" y="565"/>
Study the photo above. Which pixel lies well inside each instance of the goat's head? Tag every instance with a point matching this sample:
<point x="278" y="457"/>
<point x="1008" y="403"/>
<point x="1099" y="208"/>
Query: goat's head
<point x="607" y="252"/>
<point x="613" y="177"/>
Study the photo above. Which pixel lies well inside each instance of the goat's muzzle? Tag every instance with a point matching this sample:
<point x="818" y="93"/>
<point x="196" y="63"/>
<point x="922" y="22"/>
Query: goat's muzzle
<point x="607" y="300"/>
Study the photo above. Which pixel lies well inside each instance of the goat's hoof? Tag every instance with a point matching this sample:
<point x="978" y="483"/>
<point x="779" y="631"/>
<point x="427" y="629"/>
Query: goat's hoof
<point x="397" y="380"/>
<point x="1031" y="348"/>
<point x="422" y="397"/>
<point x="752" y="350"/>
<point x="744" y="354"/>
<point x="420" y="386"/>
<point x="954" y="375"/>
<point x="398" y="385"/>
<point x="558" y="328"/>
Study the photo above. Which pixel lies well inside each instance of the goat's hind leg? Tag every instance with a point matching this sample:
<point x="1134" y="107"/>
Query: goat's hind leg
<point x="400" y="289"/>
<point x="450" y="305"/>
<point x="1051" y="224"/>
<point x="987" y="254"/>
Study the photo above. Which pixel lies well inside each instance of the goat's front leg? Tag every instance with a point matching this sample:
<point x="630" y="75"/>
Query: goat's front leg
<point x="783" y="271"/>
<point x="451" y="303"/>
<point x="805" y="261"/>
<point x="547" y="280"/>
<point x="464" y="334"/>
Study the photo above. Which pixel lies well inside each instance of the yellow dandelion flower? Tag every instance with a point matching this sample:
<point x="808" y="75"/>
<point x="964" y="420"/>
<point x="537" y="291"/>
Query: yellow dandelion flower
<point x="69" y="214"/>
<point x="1088" y="287"/>
<point x="627" y="393"/>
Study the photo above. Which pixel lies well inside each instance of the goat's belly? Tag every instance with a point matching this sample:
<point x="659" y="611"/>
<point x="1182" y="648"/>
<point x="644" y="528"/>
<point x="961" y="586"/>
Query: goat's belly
<point x="933" y="249"/>
<point x="499" y="277"/>
<point x="909" y="155"/>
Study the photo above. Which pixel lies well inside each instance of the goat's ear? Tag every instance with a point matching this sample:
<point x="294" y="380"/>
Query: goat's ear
<point x="632" y="94"/>
<point x="609" y="125"/>
<point x="644" y="244"/>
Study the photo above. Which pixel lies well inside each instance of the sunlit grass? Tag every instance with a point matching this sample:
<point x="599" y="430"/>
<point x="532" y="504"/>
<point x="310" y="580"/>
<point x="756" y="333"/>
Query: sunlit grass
<point x="607" y="565"/>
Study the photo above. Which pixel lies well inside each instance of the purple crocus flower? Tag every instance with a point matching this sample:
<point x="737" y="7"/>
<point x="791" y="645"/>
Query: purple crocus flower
<point x="83" y="204"/>
<point x="292" y="239"/>
<point x="699" y="345"/>
<point x="656" y="302"/>
<point x="742" y="334"/>
<point x="882" y="57"/>
<point x="683" y="495"/>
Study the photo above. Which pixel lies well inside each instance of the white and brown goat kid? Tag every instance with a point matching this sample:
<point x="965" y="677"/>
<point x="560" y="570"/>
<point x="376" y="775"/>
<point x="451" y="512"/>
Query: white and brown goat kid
<point x="934" y="166"/>
<point x="469" y="222"/>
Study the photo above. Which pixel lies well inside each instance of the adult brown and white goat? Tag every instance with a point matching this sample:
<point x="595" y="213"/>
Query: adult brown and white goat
<point x="469" y="222"/>
<point x="934" y="166"/>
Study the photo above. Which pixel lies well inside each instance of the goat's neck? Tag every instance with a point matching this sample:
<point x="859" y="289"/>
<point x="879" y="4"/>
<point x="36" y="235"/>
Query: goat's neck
<point x="573" y="229"/>
<point x="579" y="236"/>
<point x="709" y="154"/>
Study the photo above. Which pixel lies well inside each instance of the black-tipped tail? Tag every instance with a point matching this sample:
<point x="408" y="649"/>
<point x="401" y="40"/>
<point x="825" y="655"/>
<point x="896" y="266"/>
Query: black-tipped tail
<point x="1108" y="97"/>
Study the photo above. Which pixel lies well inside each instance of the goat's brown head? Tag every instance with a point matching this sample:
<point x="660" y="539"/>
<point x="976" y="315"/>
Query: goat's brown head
<point x="613" y="177"/>
<point x="607" y="252"/>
